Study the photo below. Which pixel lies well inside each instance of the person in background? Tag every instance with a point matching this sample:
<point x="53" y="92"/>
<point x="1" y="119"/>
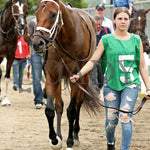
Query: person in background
<point x="28" y="66"/>
<point x="21" y="54"/>
<point x="96" y="75"/>
<point x="37" y="66"/>
<point x="100" y="9"/>
<point x="125" y="3"/>
<point x="125" y="59"/>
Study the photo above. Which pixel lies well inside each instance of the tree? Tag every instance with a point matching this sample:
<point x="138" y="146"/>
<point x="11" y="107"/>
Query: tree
<point x="77" y="3"/>
<point x="33" y="4"/>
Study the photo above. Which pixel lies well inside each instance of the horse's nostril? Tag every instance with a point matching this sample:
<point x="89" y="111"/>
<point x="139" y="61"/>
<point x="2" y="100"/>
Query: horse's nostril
<point x="41" y="43"/>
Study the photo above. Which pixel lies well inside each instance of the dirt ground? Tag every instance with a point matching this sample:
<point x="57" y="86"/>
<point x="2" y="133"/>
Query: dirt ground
<point x="22" y="127"/>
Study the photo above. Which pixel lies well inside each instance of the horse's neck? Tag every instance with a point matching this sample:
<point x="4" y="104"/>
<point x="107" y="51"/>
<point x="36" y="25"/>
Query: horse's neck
<point x="69" y="25"/>
<point x="7" y="19"/>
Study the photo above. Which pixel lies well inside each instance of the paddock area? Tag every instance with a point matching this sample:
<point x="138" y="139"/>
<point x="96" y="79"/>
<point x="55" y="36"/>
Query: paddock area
<point x="22" y="127"/>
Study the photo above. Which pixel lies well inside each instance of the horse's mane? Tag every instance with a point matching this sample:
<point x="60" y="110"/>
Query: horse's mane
<point x="20" y="1"/>
<point x="8" y="4"/>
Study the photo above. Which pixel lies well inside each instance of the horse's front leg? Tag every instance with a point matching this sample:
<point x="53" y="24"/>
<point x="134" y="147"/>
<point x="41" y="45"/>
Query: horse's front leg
<point x="55" y="141"/>
<point x="59" y="109"/>
<point x="10" y="59"/>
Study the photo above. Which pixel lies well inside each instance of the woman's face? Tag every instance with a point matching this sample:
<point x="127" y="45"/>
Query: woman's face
<point x="122" y="21"/>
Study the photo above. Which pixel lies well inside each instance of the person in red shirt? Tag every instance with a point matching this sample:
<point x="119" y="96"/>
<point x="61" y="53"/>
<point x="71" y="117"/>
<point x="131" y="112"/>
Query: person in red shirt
<point x="21" y="54"/>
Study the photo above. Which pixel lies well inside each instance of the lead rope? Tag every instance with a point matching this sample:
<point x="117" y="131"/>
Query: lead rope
<point x="92" y="96"/>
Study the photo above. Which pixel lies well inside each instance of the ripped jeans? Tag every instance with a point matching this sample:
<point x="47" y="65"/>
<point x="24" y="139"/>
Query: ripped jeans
<point x="125" y="100"/>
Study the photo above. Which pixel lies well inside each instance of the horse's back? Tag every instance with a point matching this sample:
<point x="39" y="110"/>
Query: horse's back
<point x="90" y="23"/>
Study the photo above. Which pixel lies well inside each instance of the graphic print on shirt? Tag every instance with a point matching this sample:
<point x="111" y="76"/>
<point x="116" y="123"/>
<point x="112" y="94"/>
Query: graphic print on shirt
<point x="20" y="47"/>
<point x="127" y="70"/>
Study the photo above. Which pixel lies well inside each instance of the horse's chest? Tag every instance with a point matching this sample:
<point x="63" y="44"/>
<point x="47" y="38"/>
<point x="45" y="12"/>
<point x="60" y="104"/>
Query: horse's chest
<point x="7" y="48"/>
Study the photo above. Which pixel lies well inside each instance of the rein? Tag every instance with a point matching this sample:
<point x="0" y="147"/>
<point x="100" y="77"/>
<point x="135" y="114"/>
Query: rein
<point x="94" y="97"/>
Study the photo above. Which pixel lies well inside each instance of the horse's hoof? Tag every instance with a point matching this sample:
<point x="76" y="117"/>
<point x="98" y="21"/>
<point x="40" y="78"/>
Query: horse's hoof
<point x="58" y="146"/>
<point x="69" y="148"/>
<point x="76" y="142"/>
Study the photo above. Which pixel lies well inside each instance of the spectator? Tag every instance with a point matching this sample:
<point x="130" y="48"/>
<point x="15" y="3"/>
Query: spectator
<point x="125" y="3"/>
<point x="37" y="67"/>
<point x="96" y="75"/>
<point x="19" y="63"/>
<point x="100" y="9"/>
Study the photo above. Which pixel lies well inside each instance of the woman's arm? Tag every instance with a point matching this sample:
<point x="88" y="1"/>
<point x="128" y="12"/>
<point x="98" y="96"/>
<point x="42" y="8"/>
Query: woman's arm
<point x="144" y="70"/>
<point x="90" y="64"/>
<point x="130" y="8"/>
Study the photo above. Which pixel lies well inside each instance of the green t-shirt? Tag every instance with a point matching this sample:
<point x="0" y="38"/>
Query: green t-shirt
<point x="121" y="60"/>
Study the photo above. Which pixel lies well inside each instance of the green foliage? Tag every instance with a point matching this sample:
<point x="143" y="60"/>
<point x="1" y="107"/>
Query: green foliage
<point x="2" y="4"/>
<point x="32" y="4"/>
<point x="77" y="3"/>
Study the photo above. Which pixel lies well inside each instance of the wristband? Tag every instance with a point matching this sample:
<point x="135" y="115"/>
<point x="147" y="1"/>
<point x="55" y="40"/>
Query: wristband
<point x="79" y="74"/>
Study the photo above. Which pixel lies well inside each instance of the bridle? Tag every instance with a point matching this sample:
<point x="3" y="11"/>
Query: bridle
<point x="21" y="16"/>
<point x="54" y="29"/>
<point x="53" y="32"/>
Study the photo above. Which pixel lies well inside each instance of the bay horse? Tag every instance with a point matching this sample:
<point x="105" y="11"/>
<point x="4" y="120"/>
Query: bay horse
<point x="9" y="31"/>
<point x="137" y="26"/>
<point x="67" y="38"/>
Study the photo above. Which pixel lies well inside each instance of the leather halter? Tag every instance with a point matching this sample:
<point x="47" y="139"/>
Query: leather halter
<point x="54" y="29"/>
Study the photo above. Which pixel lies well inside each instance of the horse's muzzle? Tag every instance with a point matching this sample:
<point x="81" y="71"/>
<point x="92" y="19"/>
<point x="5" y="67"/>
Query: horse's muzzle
<point x="38" y="44"/>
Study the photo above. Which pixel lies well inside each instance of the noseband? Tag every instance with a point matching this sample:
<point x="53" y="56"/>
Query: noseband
<point x="53" y="31"/>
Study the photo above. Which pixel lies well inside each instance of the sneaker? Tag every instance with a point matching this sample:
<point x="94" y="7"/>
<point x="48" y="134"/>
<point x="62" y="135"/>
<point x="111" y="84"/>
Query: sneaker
<point x="15" y="87"/>
<point x="6" y="102"/>
<point x="38" y="106"/>
<point x="20" y="90"/>
<point x="110" y="147"/>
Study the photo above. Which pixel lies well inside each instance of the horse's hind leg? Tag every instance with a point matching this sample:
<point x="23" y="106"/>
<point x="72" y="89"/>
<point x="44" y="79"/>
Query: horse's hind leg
<point x="0" y="84"/>
<point x="76" y="128"/>
<point x="73" y="112"/>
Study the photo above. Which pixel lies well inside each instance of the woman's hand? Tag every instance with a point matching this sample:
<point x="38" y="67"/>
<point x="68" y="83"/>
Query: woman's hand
<point x="147" y="95"/>
<point x="74" y="78"/>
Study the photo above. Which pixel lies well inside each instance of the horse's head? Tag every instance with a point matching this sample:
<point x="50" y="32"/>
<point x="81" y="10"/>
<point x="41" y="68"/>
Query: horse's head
<point x="7" y="20"/>
<point x="138" y="24"/>
<point x="139" y="21"/>
<point x="49" y="23"/>
<point x="20" y="12"/>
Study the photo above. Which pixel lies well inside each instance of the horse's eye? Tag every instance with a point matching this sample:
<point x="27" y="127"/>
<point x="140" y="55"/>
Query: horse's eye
<point x="53" y="15"/>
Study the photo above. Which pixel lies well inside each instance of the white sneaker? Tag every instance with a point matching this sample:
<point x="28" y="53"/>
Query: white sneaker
<point x="5" y="102"/>
<point x="38" y="106"/>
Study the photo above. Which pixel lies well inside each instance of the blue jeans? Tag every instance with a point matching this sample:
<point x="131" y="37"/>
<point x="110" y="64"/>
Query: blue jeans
<point x="18" y="68"/>
<point x="37" y="65"/>
<point x="125" y="100"/>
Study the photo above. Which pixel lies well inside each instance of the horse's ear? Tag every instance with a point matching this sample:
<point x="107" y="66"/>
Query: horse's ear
<point x="147" y="10"/>
<point x="134" y="9"/>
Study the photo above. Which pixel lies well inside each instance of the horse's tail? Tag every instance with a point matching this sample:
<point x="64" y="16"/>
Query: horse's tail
<point x="91" y="101"/>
